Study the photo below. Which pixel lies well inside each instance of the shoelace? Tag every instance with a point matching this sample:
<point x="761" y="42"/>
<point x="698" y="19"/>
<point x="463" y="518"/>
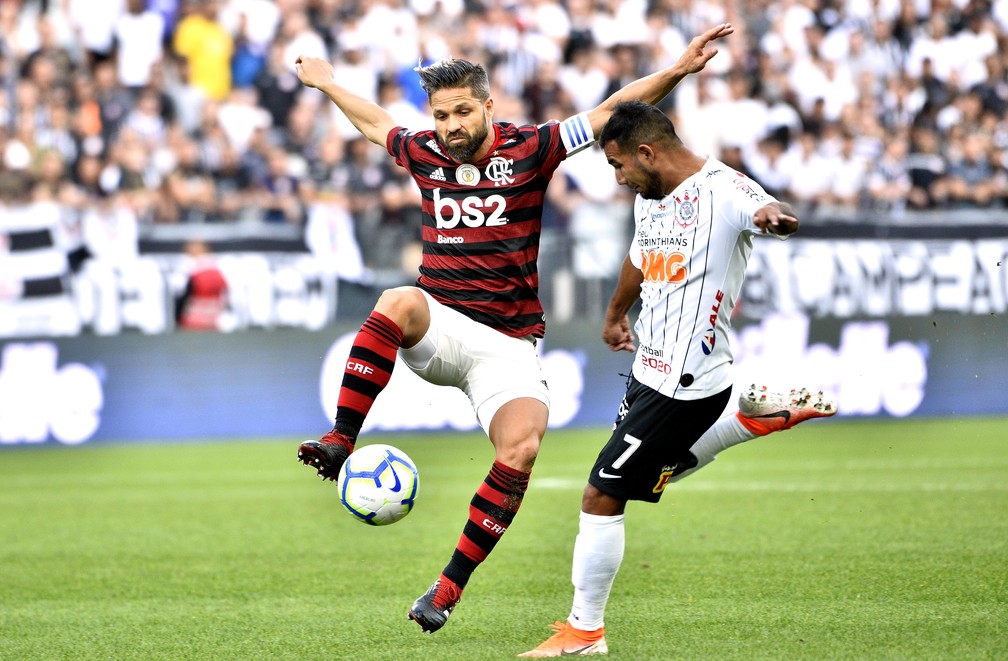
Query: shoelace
<point x="446" y="595"/>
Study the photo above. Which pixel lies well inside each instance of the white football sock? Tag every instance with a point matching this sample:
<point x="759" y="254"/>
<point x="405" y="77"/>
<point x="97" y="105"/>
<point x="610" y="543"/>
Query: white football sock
<point x="723" y="434"/>
<point x="598" y="552"/>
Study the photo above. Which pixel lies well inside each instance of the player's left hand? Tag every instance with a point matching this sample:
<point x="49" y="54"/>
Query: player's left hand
<point x="695" y="57"/>
<point x="772" y="218"/>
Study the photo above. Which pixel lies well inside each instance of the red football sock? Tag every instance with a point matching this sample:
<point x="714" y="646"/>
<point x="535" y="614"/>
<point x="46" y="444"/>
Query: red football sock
<point x="367" y="371"/>
<point x="490" y="513"/>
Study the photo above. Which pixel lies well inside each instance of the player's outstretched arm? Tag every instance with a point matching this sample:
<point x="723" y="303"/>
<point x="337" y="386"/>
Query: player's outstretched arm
<point x="369" y="118"/>
<point x="778" y="218"/>
<point x="616" y="329"/>
<point x="656" y="86"/>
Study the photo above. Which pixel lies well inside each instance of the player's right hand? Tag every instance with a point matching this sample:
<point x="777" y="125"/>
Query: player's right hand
<point x="617" y="335"/>
<point x="312" y="71"/>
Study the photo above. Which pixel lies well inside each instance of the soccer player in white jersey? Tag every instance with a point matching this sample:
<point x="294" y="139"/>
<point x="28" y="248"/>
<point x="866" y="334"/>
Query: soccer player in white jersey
<point x="695" y="219"/>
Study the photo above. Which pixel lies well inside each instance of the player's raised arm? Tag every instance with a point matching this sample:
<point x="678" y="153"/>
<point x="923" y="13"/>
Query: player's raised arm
<point x="656" y="86"/>
<point x="369" y="118"/>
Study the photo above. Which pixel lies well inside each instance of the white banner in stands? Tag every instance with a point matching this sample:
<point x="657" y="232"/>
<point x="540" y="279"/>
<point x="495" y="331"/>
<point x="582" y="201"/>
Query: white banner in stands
<point x="876" y="278"/>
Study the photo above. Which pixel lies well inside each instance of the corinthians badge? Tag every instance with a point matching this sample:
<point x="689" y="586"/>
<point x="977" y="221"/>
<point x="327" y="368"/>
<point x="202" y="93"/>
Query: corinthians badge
<point x="686" y="207"/>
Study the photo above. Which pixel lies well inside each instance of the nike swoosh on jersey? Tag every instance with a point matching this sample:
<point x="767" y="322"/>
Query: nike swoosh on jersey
<point x="602" y="473"/>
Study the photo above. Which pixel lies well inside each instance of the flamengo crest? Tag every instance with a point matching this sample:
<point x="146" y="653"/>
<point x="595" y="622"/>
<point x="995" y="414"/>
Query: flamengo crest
<point x="500" y="170"/>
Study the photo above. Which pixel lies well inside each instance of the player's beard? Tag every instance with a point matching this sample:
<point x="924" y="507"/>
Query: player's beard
<point x="465" y="151"/>
<point x="652" y="188"/>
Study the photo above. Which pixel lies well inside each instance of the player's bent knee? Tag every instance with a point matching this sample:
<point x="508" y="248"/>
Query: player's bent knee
<point x="407" y="308"/>
<point x="519" y="454"/>
<point x="400" y="299"/>
<point x="596" y="502"/>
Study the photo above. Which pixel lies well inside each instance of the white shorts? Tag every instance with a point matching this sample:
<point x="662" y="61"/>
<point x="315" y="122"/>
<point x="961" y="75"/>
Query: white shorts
<point x="490" y="367"/>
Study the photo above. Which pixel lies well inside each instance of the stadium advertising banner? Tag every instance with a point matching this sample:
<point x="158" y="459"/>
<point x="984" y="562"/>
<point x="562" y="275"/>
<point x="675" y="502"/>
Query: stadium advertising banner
<point x="847" y="278"/>
<point x="284" y="383"/>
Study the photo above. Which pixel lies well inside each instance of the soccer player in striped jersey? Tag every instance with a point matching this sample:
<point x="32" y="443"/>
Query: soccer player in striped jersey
<point x="474" y="315"/>
<point x="694" y="222"/>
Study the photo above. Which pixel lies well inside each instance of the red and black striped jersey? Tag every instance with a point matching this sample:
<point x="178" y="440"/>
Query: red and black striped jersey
<point x="481" y="221"/>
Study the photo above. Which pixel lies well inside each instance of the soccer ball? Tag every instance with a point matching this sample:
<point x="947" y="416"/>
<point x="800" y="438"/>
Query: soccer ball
<point x="378" y="484"/>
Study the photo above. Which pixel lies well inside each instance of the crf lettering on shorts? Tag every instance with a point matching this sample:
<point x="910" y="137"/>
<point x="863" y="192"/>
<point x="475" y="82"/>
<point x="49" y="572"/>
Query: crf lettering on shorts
<point x="361" y="368"/>
<point x="663" y="481"/>
<point x="471" y="211"/>
<point x="494" y="527"/>
<point x="659" y="267"/>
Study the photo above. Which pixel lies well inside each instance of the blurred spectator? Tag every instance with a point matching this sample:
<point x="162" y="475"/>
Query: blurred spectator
<point x="354" y="72"/>
<point x="399" y="233"/>
<point x="146" y="119"/>
<point x="278" y="192"/>
<point x="543" y="91"/>
<point x="583" y="77"/>
<point x="926" y="168"/>
<point x="810" y="175"/>
<point x="117" y="286"/>
<point x="299" y="37"/>
<point x="362" y="175"/>
<point x="187" y="99"/>
<point x="767" y="162"/>
<point x="60" y="58"/>
<point x="114" y="102"/>
<point x="239" y="116"/>
<point x="993" y="90"/>
<point x="188" y="194"/>
<point x="329" y="236"/>
<point x="888" y="182"/>
<point x="94" y="26"/>
<point x="138" y="45"/>
<point x="849" y="169"/>
<point x="277" y="85"/>
<point x="203" y="303"/>
<point x="256" y="21"/>
<point x="971" y="175"/>
<point x="206" y="45"/>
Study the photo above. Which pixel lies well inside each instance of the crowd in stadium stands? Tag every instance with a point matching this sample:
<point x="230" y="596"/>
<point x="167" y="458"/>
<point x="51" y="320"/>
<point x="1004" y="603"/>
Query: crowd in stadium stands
<point x="189" y="111"/>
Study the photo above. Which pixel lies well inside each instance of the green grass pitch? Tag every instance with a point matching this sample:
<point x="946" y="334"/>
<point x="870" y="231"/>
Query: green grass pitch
<point x="837" y="540"/>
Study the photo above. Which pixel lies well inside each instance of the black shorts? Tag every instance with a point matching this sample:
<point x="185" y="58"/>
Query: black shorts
<point x="651" y="441"/>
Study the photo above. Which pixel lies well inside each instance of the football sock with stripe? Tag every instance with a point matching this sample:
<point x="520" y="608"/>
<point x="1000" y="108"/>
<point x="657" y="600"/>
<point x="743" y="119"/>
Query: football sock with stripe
<point x="490" y="513"/>
<point x="729" y="430"/>
<point x="598" y="552"/>
<point x="367" y="372"/>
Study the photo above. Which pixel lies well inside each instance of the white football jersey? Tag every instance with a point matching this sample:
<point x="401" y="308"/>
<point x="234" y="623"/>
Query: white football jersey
<point x="692" y="247"/>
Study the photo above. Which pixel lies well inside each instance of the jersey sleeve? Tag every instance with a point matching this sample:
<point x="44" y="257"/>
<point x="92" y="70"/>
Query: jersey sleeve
<point x="746" y="197"/>
<point x="397" y="144"/>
